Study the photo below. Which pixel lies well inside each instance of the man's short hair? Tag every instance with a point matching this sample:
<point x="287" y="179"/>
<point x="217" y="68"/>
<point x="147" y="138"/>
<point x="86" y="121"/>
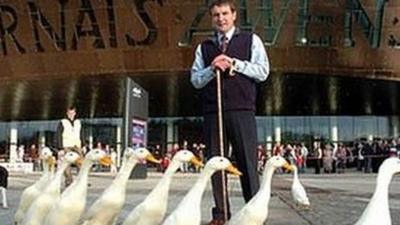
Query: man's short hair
<point x="72" y="107"/>
<point x="213" y="3"/>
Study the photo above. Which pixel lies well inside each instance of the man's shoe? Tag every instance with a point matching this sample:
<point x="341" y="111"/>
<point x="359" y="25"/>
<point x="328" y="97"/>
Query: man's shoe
<point x="216" y="222"/>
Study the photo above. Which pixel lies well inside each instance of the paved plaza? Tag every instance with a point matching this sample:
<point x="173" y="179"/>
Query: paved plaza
<point x="337" y="199"/>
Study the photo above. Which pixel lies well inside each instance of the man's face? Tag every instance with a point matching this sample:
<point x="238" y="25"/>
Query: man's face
<point x="223" y="19"/>
<point x="71" y="114"/>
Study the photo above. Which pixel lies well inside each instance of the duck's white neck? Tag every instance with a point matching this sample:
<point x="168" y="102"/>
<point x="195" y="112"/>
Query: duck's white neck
<point x="173" y="167"/>
<point x="265" y="188"/>
<point x="381" y="193"/>
<point x="125" y="171"/>
<point x="83" y="176"/>
<point x="46" y="166"/>
<point x="47" y="172"/>
<point x="56" y="182"/>
<point x="295" y="174"/>
<point x="162" y="187"/>
<point x="379" y="203"/>
<point x="196" y="192"/>
<point x="63" y="166"/>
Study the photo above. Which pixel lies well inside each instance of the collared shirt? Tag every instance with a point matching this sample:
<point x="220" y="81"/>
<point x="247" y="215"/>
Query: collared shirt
<point x="228" y="34"/>
<point x="257" y="68"/>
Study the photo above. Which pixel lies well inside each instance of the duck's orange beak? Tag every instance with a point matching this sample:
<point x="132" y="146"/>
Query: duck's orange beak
<point x="196" y="162"/>
<point x="288" y="167"/>
<point x="106" y="161"/>
<point x="151" y="158"/>
<point x="233" y="170"/>
<point x="51" y="161"/>
<point x="78" y="162"/>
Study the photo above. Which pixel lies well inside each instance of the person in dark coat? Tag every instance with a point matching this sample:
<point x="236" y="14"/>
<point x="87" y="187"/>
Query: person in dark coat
<point x="242" y="60"/>
<point x="69" y="134"/>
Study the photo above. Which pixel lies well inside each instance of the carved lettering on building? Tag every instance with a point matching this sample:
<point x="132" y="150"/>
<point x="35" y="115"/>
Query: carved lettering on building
<point x="69" y="26"/>
<point x="87" y="25"/>
<point x="273" y="21"/>
<point x="7" y="29"/>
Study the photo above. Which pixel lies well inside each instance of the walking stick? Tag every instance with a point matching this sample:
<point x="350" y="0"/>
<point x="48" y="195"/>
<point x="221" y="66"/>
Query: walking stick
<point x="221" y="140"/>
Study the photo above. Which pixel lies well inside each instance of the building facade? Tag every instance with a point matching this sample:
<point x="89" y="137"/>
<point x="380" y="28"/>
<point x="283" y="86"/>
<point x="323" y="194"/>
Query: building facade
<point x="334" y="71"/>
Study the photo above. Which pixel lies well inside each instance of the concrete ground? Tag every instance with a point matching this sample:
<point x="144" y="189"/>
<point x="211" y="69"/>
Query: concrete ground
<point x="337" y="199"/>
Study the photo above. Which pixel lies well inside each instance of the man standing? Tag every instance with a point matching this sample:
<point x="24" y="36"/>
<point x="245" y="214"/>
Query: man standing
<point x="242" y="61"/>
<point x="69" y="138"/>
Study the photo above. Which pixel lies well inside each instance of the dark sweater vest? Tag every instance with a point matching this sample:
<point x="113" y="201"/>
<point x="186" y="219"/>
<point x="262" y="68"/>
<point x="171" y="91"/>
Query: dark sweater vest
<point x="239" y="91"/>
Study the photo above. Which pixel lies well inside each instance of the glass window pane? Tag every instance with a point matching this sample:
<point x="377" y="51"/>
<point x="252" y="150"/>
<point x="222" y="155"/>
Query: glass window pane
<point x="345" y="128"/>
<point x="294" y="127"/>
<point x="364" y="127"/>
<point x="264" y="128"/>
<point x="383" y="127"/>
<point x="320" y="127"/>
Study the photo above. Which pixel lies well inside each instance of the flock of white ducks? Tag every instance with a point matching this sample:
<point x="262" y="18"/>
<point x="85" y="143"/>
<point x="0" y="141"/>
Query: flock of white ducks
<point x="255" y="212"/>
<point x="152" y="210"/>
<point x="42" y="203"/>
<point x="50" y="194"/>
<point x="188" y="212"/>
<point x="107" y="207"/>
<point x="68" y="209"/>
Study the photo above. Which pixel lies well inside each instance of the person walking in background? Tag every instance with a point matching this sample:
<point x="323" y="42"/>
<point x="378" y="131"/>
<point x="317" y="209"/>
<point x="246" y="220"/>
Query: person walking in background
<point x="184" y="167"/>
<point x="341" y="158"/>
<point x="277" y="150"/>
<point x="165" y="161"/>
<point x="99" y="146"/>
<point x="318" y="157"/>
<point x="34" y="157"/>
<point x="367" y="153"/>
<point x="113" y="166"/>
<point x="304" y="154"/>
<point x="242" y="60"/>
<point x="327" y="158"/>
<point x="69" y="138"/>
<point x="21" y="153"/>
<point x="157" y="153"/>
<point x="360" y="156"/>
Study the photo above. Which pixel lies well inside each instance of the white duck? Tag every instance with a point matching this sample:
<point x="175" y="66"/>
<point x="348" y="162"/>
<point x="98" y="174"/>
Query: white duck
<point x="152" y="210"/>
<point x="188" y="212"/>
<point x="377" y="211"/>
<point x="69" y="208"/>
<point x="33" y="191"/>
<point x="51" y="194"/>
<point x="255" y="212"/>
<point x="105" y="209"/>
<point x="298" y="192"/>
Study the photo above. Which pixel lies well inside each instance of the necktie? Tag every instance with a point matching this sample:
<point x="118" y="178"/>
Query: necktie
<point x="223" y="44"/>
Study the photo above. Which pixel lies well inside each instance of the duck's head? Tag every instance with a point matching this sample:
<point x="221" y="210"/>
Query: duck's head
<point x="390" y="166"/>
<point x="47" y="156"/>
<point x="277" y="162"/>
<point x="45" y="153"/>
<point x="222" y="163"/>
<point x="98" y="155"/>
<point x="187" y="156"/>
<point x="72" y="157"/>
<point x="139" y="154"/>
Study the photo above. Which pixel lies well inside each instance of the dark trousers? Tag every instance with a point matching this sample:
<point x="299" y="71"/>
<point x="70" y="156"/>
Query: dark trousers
<point x="3" y="177"/>
<point x="318" y="164"/>
<point x="367" y="164"/>
<point x="68" y="173"/>
<point x="241" y="132"/>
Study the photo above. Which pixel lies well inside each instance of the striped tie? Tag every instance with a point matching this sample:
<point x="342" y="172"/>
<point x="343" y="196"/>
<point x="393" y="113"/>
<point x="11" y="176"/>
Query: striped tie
<point x="223" y="43"/>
